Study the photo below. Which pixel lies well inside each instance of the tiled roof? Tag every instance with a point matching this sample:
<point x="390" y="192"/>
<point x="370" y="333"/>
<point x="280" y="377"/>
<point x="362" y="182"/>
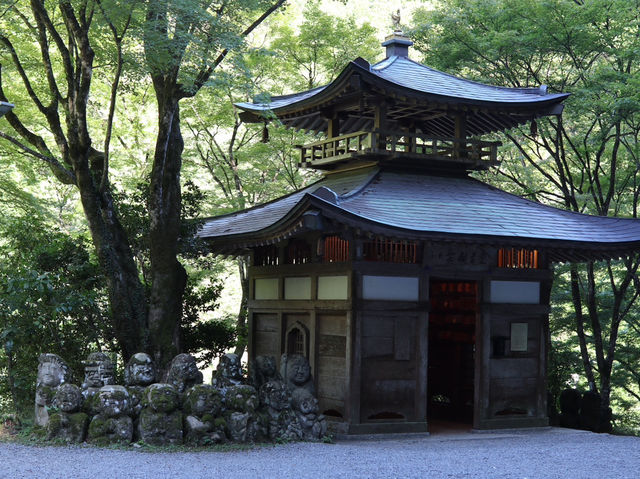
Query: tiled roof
<point x="406" y="73"/>
<point x="427" y="205"/>
<point x="263" y="216"/>
<point x="409" y="74"/>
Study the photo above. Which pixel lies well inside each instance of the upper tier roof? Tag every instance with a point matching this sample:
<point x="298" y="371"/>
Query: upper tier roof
<point x="423" y="206"/>
<point x="416" y="93"/>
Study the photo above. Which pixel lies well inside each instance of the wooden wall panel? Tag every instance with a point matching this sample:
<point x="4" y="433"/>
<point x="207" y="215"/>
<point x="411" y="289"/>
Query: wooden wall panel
<point x="332" y="363"/>
<point x="266" y="338"/>
<point x="389" y="367"/>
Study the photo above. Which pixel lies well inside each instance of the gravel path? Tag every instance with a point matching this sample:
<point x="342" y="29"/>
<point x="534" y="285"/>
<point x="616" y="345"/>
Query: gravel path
<point x="550" y="453"/>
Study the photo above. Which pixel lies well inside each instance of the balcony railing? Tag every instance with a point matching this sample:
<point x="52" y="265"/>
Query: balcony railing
<point x="472" y="154"/>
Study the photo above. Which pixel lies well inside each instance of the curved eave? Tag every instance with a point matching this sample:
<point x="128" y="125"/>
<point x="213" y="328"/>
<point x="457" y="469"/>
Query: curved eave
<point x="323" y="96"/>
<point x="294" y="222"/>
<point x="5" y="108"/>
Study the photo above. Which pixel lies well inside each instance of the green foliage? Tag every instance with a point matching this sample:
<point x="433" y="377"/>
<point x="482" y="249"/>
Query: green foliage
<point x="314" y="52"/>
<point x="50" y="290"/>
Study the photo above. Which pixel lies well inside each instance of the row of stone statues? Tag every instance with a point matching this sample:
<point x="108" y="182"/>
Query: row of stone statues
<point x="269" y="406"/>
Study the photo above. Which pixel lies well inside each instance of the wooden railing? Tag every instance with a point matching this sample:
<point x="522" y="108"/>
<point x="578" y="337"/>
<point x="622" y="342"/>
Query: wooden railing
<point x="340" y="148"/>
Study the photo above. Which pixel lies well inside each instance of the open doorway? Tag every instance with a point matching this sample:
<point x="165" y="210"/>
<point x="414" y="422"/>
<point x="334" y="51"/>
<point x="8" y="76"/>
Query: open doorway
<point x="452" y="328"/>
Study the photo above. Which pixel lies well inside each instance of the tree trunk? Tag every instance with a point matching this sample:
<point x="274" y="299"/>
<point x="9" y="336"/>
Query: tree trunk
<point x="126" y="293"/>
<point x="168" y="276"/>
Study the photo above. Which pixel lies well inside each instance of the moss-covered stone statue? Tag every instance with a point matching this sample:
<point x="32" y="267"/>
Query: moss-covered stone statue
<point x="296" y="371"/>
<point x="67" y="423"/>
<point x="160" y="421"/>
<point x="263" y="369"/>
<point x="228" y="373"/>
<point x="183" y="373"/>
<point x="52" y="372"/>
<point x="139" y="373"/>
<point x="313" y="426"/>
<point x="203" y="422"/>
<point x="276" y="401"/>
<point x="98" y="372"/>
<point x="244" y="422"/>
<point x="112" y="424"/>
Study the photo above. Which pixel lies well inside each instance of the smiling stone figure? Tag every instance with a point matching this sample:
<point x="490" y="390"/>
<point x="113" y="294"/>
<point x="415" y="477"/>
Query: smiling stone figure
<point x="52" y="372"/>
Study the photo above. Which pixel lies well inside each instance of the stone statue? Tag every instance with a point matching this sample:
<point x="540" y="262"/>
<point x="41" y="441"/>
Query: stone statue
<point x="229" y="372"/>
<point x="296" y="371"/>
<point x="160" y="421"/>
<point x="98" y="372"/>
<point x="52" y="372"/>
<point x="244" y="423"/>
<point x="112" y="424"/>
<point x="139" y="373"/>
<point x="313" y="426"/>
<point x="276" y="399"/>
<point x="202" y="423"/>
<point x="183" y="373"/>
<point x="140" y="370"/>
<point x="67" y="423"/>
<point x="263" y="369"/>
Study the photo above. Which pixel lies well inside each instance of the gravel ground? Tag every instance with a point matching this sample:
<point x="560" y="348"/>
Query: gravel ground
<point x="548" y="453"/>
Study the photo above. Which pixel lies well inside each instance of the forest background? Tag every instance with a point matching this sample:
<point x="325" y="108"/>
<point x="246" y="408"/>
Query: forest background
<point x="124" y="135"/>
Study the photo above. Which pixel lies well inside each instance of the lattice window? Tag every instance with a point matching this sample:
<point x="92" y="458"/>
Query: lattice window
<point x="298" y="252"/>
<point x="391" y="251"/>
<point x="265" y="256"/>
<point x="518" y="258"/>
<point x="336" y="250"/>
<point x="295" y="342"/>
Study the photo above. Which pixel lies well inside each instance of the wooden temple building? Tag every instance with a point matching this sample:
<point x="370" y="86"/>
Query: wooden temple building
<point x="415" y="291"/>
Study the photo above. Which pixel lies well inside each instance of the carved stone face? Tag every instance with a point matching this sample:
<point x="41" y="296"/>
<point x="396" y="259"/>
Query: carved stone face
<point x="266" y="365"/>
<point x="114" y="401"/>
<point x="230" y="367"/>
<point x="183" y="370"/>
<point x="50" y="374"/>
<point x="204" y="399"/>
<point x="298" y="371"/>
<point x="98" y="371"/>
<point x="140" y="370"/>
<point x="303" y="401"/>
<point x="162" y="397"/>
<point x="68" y="398"/>
<point x="275" y="395"/>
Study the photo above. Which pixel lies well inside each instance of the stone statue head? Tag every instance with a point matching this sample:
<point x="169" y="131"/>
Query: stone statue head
<point x="140" y="370"/>
<point x="114" y="401"/>
<point x="183" y="372"/>
<point x="162" y="397"/>
<point x="68" y="398"/>
<point x="230" y="367"/>
<point x="304" y="402"/>
<point x="52" y="371"/>
<point x="98" y="371"/>
<point x="298" y="370"/>
<point x="274" y="394"/>
<point x="203" y="399"/>
<point x="242" y="398"/>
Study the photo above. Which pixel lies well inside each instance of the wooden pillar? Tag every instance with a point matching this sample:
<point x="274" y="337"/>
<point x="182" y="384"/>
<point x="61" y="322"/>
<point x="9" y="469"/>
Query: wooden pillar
<point x="380" y="124"/>
<point x="460" y="150"/>
<point x="422" y="344"/>
<point x="333" y="126"/>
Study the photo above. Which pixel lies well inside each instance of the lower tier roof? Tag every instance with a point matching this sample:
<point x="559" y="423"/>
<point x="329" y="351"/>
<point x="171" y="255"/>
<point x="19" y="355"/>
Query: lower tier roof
<point x="422" y="206"/>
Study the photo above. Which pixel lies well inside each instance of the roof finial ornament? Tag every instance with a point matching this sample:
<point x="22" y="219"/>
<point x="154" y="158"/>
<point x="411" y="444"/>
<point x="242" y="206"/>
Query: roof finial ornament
<point x="395" y="18"/>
